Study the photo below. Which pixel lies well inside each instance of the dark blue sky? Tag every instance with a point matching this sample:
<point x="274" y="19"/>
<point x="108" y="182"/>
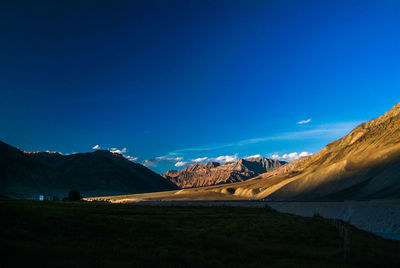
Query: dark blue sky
<point x="180" y="80"/>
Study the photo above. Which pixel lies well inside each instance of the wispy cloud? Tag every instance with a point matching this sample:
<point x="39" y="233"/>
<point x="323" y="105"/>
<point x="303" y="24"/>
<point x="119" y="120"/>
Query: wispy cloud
<point x="199" y="160"/>
<point x="253" y="156"/>
<point x="178" y="161"/>
<point x="153" y="162"/>
<point x="290" y="156"/>
<point x="304" y="121"/>
<point x="118" y="151"/>
<point x="331" y="131"/>
<point x="324" y="131"/>
<point x="220" y="159"/>
<point x="168" y="159"/>
<point x="149" y="163"/>
<point x="226" y="158"/>
<point x="122" y="152"/>
<point x="131" y="158"/>
<point x="113" y="150"/>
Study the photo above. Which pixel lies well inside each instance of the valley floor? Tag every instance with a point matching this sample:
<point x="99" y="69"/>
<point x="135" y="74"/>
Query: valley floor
<point x="78" y="234"/>
<point x="379" y="217"/>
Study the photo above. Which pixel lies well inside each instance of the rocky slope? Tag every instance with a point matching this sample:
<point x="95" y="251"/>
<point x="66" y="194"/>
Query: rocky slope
<point x="212" y="173"/>
<point x="364" y="165"/>
<point x="97" y="173"/>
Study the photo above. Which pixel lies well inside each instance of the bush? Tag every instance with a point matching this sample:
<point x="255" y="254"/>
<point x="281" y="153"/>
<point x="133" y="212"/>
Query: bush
<point x="317" y="215"/>
<point x="269" y="208"/>
<point x="73" y="196"/>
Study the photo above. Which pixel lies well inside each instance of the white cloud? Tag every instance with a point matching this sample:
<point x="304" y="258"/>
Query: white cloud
<point x="168" y="159"/>
<point x="158" y="159"/>
<point x="275" y="156"/>
<point x="221" y="159"/>
<point x="96" y="147"/>
<point x="117" y="151"/>
<point x="179" y="162"/>
<point x="304" y="121"/>
<point x="290" y="156"/>
<point x="226" y="158"/>
<point x="199" y="160"/>
<point x="304" y="154"/>
<point x="131" y="158"/>
<point x="123" y="152"/>
<point x="253" y="156"/>
<point x="149" y="163"/>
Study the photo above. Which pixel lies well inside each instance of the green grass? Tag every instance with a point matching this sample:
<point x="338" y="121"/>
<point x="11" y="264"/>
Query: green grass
<point x="81" y="234"/>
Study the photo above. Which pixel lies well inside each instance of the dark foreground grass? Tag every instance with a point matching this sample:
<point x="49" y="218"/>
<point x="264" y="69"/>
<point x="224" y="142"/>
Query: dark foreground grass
<point x="63" y="234"/>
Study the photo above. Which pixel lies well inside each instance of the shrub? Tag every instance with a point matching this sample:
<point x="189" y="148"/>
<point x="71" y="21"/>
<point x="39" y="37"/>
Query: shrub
<point x="269" y="208"/>
<point x="73" y="196"/>
<point x="317" y="215"/>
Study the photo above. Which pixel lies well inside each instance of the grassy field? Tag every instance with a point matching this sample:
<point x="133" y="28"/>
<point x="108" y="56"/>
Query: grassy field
<point x="84" y="234"/>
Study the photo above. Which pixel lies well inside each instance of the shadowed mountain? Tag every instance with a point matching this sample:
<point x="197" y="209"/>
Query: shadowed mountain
<point x="365" y="164"/>
<point x="96" y="173"/>
<point x="18" y="169"/>
<point x="212" y="173"/>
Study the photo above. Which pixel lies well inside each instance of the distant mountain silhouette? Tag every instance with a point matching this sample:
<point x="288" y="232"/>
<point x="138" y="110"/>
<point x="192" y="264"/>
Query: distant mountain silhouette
<point x="100" y="172"/>
<point x="212" y="173"/>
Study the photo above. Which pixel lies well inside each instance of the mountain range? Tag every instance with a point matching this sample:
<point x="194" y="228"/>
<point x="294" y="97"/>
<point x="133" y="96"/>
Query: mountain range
<point x="212" y="173"/>
<point x="363" y="165"/>
<point x="101" y="172"/>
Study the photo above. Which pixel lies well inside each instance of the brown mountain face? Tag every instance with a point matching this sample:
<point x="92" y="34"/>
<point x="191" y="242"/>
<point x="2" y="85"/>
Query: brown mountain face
<point x="364" y="165"/>
<point x="212" y="173"/>
<point x="96" y="173"/>
<point x="288" y="168"/>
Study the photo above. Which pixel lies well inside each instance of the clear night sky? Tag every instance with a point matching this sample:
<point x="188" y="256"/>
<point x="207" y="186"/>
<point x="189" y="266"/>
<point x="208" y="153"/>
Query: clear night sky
<point x="181" y="80"/>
